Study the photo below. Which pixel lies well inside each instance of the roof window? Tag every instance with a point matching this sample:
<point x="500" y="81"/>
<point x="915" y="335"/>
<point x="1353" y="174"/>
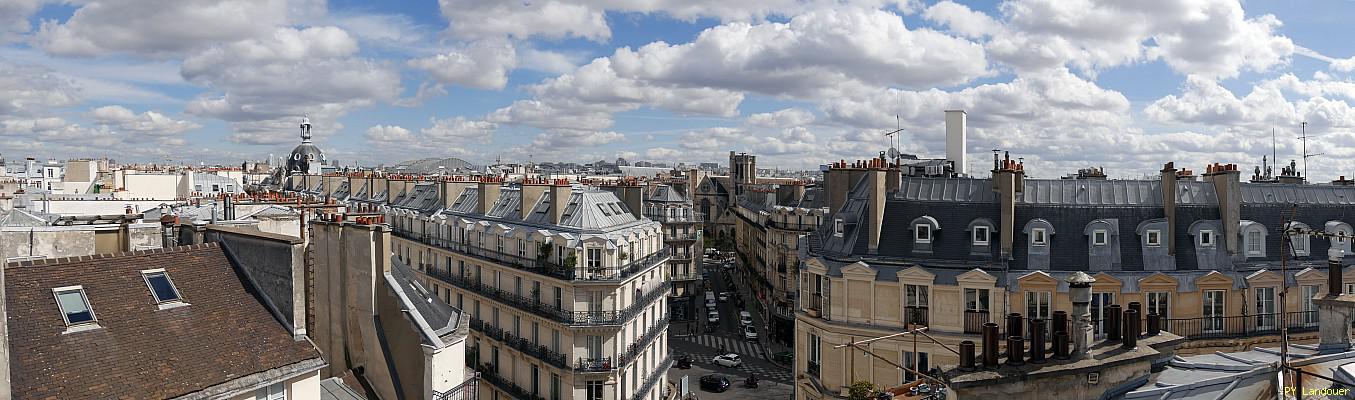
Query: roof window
<point x="161" y="286"/>
<point x="75" y="309"/>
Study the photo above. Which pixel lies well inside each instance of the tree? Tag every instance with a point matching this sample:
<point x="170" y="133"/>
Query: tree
<point x="860" y="390"/>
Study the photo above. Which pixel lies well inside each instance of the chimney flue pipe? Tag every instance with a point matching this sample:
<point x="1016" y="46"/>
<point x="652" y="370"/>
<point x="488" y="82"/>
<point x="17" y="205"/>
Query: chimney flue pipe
<point x="1131" y="328"/>
<point x="1016" y="350"/>
<point x="1112" y="322"/>
<point x="1061" y="345"/>
<point x="1037" y="330"/>
<point x="990" y="345"/>
<point x="1335" y="286"/>
<point x="967" y="355"/>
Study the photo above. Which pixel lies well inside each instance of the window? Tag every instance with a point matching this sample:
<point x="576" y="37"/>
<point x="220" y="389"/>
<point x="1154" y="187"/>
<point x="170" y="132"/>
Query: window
<point x="1099" y="237"/>
<point x="230" y="188"/>
<point x="1300" y="245"/>
<point x="976" y="299"/>
<point x="1154" y="238"/>
<point x="1206" y="238"/>
<point x="161" y="287"/>
<point x="554" y="386"/>
<point x="837" y="227"/>
<point x="594" y="258"/>
<point x="1037" y="237"/>
<point x="1037" y="304"/>
<point x="74" y="305"/>
<point x="276" y="391"/>
<point x="916" y="362"/>
<point x="922" y="233"/>
<point x="814" y="355"/>
<point x="1159" y="303"/>
<point x="1265" y="308"/>
<point x="522" y="248"/>
<point x="1254" y="243"/>
<point x="494" y="359"/>
<point x="917" y="296"/>
<point x="536" y="381"/>
<point x="216" y="188"/>
<point x="980" y="236"/>
<point x="594" y="391"/>
<point x="1309" y="309"/>
<point x="196" y="188"/>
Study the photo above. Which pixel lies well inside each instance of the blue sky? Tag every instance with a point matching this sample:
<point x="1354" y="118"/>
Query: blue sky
<point x="1064" y="84"/>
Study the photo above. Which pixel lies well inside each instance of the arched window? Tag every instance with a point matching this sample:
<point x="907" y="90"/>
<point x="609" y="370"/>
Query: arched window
<point x="1253" y="238"/>
<point x="1299" y="244"/>
<point x="925" y="229"/>
<point x="1340" y="232"/>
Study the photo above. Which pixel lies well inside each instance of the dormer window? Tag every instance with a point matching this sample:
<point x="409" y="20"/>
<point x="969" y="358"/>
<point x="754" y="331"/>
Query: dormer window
<point x="75" y="309"/>
<point x="1099" y="237"/>
<point x="1254" y="243"/>
<point x="922" y="233"/>
<point x="981" y="236"/>
<point x="161" y="287"/>
<point x="1037" y="237"/>
<point x="1206" y="238"/>
<point x="1154" y="238"/>
<point x="837" y="227"/>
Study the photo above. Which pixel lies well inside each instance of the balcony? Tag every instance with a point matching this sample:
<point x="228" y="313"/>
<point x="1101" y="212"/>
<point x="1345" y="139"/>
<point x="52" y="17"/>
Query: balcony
<point x="974" y="320"/>
<point x="517" y="392"/>
<point x="685" y="277"/>
<point x="535" y="306"/>
<point x="792" y="226"/>
<point x="679" y="256"/>
<point x="521" y="344"/>
<point x="635" y="349"/>
<point x="814" y="304"/>
<point x="654" y="378"/>
<point x="465" y="391"/>
<point x="915" y="315"/>
<point x="537" y="266"/>
<point x="681" y="237"/>
<point x="597" y="364"/>
<point x="1241" y="326"/>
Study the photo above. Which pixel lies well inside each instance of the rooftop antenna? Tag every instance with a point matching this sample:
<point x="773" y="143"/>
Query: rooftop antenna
<point x="1303" y="126"/>
<point x="1273" y="156"/>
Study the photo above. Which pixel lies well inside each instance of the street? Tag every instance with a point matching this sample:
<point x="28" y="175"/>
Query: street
<point x="703" y="344"/>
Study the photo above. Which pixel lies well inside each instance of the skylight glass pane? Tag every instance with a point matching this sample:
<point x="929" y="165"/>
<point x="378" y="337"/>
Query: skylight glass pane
<point x="162" y="287"/>
<point x="74" y="306"/>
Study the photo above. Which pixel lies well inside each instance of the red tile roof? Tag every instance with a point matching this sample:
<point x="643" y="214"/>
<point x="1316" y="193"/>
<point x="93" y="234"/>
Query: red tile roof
<point x="139" y="351"/>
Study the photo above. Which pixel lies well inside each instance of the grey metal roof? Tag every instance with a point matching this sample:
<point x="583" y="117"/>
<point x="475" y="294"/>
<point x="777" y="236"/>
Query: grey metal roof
<point x="1234" y="375"/>
<point x="467" y="201"/>
<point x="335" y="389"/>
<point x="1261" y="193"/>
<point x="666" y="194"/>
<point x="1056" y="191"/>
<point x="271" y="210"/>
<point x="509" y="206"/>
<point x="945" y="189"/>
<point x="434" y="318"/>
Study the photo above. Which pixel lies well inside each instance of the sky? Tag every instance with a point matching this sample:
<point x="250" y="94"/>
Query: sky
<point x="1062" y="84"/>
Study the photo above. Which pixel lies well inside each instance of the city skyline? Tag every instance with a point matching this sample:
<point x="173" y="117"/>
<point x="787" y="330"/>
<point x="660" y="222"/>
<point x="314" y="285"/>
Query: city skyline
<point x="801" y="83"/>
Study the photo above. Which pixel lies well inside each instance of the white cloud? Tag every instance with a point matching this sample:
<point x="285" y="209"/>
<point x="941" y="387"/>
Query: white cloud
<point x="480" y="65"/>
<point x="14" y="16"/>
<point x="556" y="139"/>
<point x="663" y="154"/>
<point x="29" y="90"/>
<point x="267" y="84"/>
<point x="149" y="123"/>
<point x="459" y="130"/>
<point x="390" y="134"/>
<point x="782" y="118"/>
<point x="160" y="28"/>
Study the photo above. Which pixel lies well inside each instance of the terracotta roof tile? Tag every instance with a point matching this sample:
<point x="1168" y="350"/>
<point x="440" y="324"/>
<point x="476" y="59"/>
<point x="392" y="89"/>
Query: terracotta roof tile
<point x="140" y="351"/>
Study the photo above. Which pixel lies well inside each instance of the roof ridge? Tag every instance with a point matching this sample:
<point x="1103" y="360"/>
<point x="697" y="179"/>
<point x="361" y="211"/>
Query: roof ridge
<point x="102" y="256"/>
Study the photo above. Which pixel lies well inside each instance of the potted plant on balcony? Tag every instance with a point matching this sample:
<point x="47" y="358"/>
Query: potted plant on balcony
<point x="623" y="256"/>
<point x="543" y="251"/>
<point x="861" y="390"/>
<point x="570" y="262"/>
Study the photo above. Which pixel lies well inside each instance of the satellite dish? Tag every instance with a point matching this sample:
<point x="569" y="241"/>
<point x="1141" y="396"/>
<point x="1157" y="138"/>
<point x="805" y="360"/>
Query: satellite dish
<point x="893" y="152"/>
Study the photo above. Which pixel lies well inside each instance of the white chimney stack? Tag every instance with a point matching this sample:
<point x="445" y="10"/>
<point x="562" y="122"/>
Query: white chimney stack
<point x="956" y="133"/>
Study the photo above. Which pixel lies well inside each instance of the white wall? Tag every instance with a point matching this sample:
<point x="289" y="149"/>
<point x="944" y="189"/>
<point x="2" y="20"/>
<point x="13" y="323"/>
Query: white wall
<point x="158" y="186"/>
<point x="303" y="387"/>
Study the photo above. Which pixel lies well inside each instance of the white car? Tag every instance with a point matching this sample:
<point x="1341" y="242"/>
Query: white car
<point x="724" y="296"/>
<point x="749" y="333"/>
<point x="713" y="317"/>
<point x="745" y="319"/>
<point x="730" y="360"/>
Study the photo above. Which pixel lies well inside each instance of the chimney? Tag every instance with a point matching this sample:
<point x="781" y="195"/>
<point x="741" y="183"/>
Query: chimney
<point x="633" y="196"/>
<point x="1227" y="182"/>
<point x="1008" y="180"/>
<point x="876" y="179"/>
<point x="560" y="192"/>
<point x="1169" y="204"/>
<point x="835" y="181"/>
<point x="956" y="137"/>
<point x="452" y="190"/>
<point x="532" y="191"/>
<point x="1335" y="310"/>
<point x="1080" y="294"/>
<point x="489" y="194"/>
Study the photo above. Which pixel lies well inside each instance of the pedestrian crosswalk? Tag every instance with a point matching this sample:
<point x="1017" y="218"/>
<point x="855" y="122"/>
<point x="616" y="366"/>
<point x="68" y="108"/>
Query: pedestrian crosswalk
<point x="744" y="348"/>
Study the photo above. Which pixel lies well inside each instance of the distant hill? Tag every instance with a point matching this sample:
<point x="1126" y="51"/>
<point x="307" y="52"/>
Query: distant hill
<point x="430" y="165"/>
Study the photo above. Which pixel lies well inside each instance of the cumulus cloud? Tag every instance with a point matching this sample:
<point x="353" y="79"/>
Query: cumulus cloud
<point x="459" y="130"/>
<point x="782" y="118"/>
<point x="29" y="90"/>
<point x="266" y="84"/>
<point x="481" y="65"/>
<point x="389" y="134"/>
<point x="14" y="16"/>
<point x="160" y="28"/>
<point x="148" y="123"/>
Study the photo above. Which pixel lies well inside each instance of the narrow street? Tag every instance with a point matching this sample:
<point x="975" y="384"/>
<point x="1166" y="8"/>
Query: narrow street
<point x="703" y="342"/>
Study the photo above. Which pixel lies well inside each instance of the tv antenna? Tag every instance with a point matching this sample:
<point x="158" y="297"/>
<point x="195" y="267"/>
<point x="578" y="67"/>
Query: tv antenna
<point x="1303" y="129"/>
<point x="894" y="140"/>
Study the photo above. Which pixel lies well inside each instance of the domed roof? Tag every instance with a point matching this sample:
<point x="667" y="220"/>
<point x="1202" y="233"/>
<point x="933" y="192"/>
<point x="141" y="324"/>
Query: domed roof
<point x="305" y="153"/>
<point x="302" y="156"/>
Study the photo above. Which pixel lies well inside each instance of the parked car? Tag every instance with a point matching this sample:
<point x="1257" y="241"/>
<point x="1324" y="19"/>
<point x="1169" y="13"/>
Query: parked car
<point x="745" y="319"/>
<point x="713" y="317"/>
<point x="714" y="383"/>
<point x="728" y="266"/>
<point x="683" y="362"/>
<point x="724" y="296"/>
<point x="784" y="357"/>
<point x="730" y="360"/>
<point x="749" y="333"/>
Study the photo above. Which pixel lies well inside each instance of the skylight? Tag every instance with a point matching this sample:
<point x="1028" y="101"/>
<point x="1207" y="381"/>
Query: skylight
<point x="161" y="287"/>
<point x="74" y="305"/>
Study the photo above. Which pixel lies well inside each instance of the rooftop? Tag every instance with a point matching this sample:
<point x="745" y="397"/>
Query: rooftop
<point x="221" y="337"/>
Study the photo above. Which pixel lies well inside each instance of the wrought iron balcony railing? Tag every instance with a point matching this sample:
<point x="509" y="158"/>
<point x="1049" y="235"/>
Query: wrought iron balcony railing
<point x="654" y="378"/>
<point x="537" y="307"/>
<point x="635" y="349"/>
<point x="539" y="266"/>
